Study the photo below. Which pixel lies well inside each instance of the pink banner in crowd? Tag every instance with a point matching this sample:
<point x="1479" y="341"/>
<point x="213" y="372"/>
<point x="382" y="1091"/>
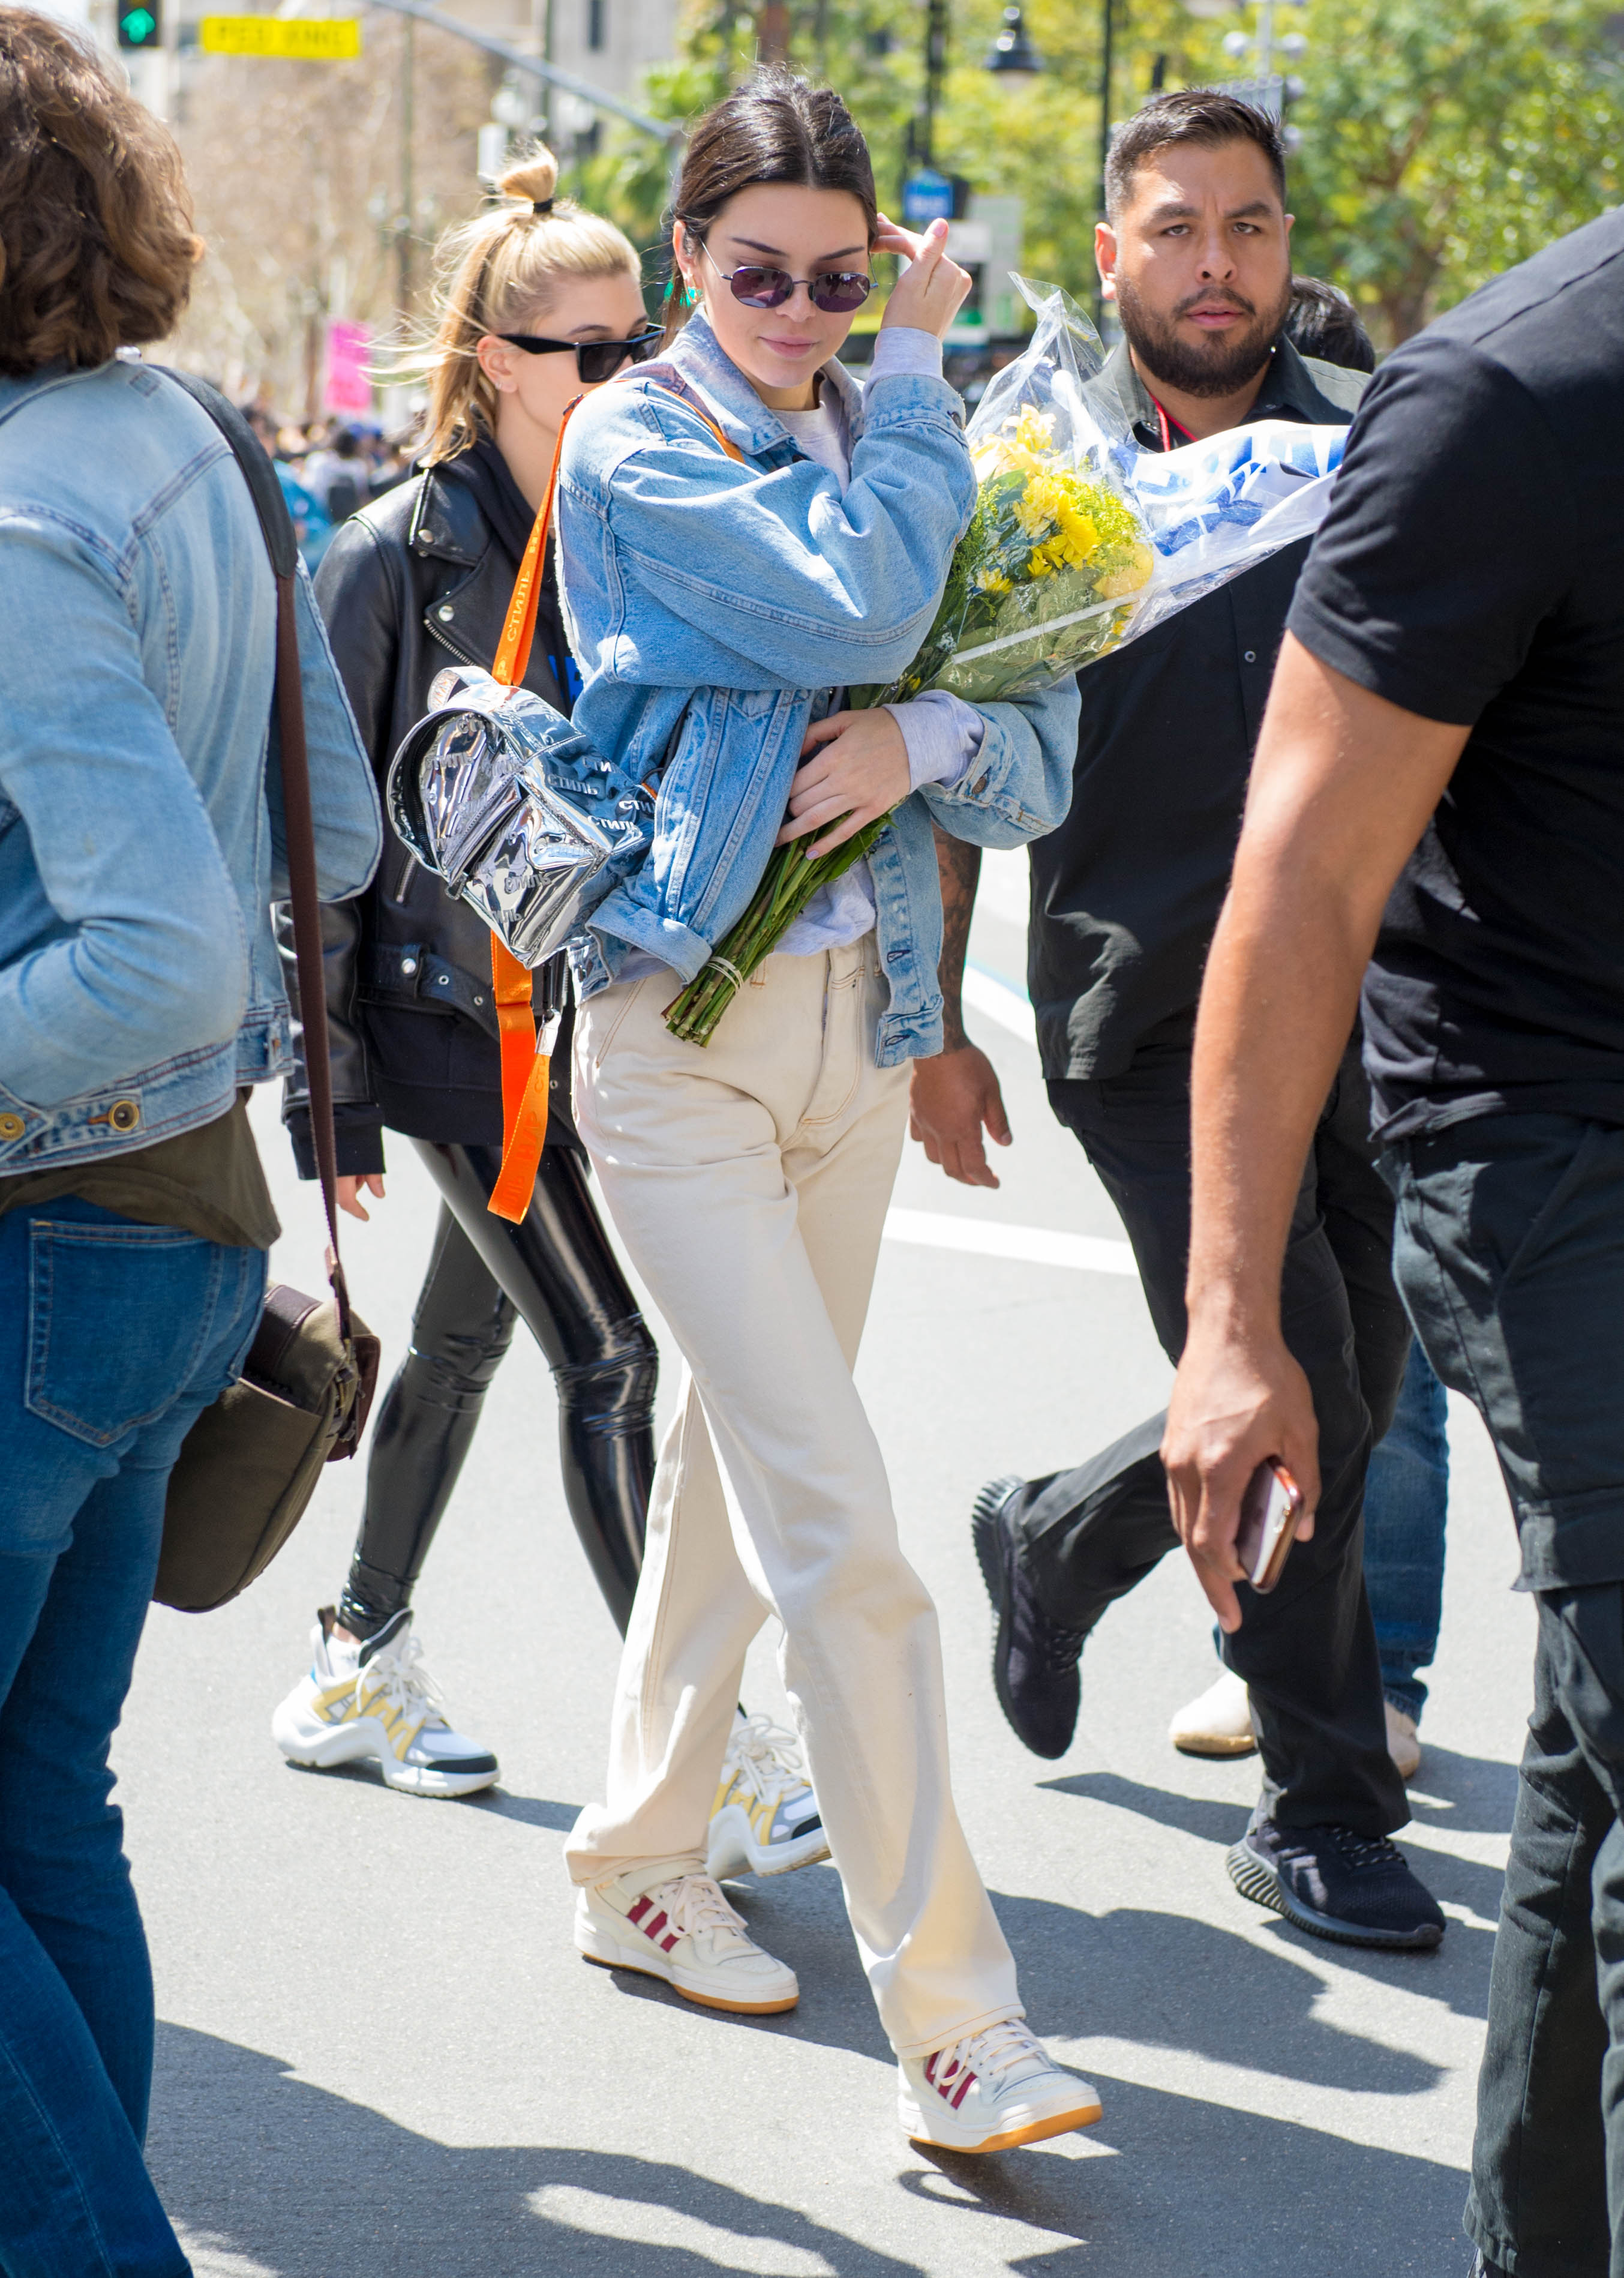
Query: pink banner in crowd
<point x="348" y="348"/>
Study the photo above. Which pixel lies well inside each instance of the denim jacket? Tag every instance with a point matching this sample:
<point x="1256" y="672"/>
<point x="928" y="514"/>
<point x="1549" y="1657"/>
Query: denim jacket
<point x="713" y="605"/>
<point x="141" y="831"/>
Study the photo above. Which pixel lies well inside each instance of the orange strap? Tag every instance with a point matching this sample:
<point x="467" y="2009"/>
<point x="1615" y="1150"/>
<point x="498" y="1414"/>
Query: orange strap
<point x="526" y="1070"/>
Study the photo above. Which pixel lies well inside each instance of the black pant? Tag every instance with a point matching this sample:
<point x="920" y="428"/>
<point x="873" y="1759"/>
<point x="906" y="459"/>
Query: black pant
<point x="1510" y="1252"/>
<point x="1308" y="1652"/>
<point x="556" y="1270"/>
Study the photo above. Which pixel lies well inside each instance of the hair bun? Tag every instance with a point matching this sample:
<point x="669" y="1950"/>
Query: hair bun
<point x="533" y="178"/>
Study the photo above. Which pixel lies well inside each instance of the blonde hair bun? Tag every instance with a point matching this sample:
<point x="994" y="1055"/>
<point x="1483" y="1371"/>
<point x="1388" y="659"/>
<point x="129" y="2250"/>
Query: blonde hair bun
<point x="534" y="179"/>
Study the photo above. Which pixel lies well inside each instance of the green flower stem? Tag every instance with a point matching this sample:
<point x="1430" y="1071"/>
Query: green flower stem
<point x="792" y="878"/>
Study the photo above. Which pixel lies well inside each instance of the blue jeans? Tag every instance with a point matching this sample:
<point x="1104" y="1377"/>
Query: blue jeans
<point x="113" y="1338"/>
<point x="1406" y="1496"/>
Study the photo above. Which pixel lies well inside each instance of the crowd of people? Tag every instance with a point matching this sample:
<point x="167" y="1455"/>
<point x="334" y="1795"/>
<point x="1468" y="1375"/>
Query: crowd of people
<point x="1417" y="713"/>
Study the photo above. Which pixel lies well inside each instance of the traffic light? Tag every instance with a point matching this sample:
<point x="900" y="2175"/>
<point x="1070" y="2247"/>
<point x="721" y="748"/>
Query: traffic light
<point x="138" y="24"/>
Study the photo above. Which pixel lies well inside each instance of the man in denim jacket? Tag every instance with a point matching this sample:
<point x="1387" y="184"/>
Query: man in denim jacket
<point x="140" y="842"/>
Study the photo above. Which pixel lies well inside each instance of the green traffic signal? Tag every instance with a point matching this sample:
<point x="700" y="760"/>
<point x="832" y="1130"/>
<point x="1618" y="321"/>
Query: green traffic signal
<point x="138" y="26"/>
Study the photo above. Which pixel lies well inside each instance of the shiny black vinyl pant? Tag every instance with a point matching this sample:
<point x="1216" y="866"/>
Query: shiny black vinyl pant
<point x="555" y="1271"/>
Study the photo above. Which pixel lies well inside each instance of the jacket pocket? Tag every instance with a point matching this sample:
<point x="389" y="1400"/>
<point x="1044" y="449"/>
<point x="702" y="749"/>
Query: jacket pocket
<point x="117" y="1319"/>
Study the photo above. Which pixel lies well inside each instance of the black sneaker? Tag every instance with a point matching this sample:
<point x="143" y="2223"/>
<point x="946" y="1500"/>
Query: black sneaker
<point x="1356" y="1890"/>
<point x="1034" y="1660"/>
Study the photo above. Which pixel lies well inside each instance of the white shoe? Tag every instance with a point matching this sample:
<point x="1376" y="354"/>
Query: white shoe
<point x="765" y="1820"/>
<point x="994" y="2089"/>
<point x="1403" y="1742"/>
<point x="377" y="1699"/>
<point x="671" y="1922"/>
<point x="1218" y="1722"/>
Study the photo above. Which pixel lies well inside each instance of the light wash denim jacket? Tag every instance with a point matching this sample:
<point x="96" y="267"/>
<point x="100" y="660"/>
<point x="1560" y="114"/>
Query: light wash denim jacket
<point x="713" y="606"/>
<point x="140" y="830"/>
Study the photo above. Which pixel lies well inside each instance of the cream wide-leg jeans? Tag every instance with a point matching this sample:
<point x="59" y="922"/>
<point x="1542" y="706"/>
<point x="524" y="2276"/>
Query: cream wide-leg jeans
<point x="750" y="1183"/>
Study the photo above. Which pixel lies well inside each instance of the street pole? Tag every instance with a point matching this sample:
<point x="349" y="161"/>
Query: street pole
<point x="935" y="65"/>
<point x="1107" y="27"/>
<point x="407" y="186"/>
<point x="773" y="32"/>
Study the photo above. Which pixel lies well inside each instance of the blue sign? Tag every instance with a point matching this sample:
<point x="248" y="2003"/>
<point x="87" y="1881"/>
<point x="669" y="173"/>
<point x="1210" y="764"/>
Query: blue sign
<point x="927" y="196"/>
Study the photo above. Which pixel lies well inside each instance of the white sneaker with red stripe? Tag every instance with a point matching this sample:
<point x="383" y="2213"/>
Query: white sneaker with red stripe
<point x="671" y="1922"/>
<point x="992" y="2089"/>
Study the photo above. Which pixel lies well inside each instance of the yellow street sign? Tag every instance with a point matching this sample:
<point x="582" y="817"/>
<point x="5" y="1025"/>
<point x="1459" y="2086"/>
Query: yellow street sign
<point x="313" y="39"/>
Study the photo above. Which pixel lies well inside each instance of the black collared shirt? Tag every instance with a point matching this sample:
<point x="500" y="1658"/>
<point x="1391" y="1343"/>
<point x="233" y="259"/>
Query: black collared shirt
<point x="1126" y="892"/>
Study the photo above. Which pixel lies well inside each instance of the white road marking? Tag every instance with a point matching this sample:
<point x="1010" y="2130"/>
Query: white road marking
<point x="1034" y="1245"/>
<point x="1001" y="1002"/>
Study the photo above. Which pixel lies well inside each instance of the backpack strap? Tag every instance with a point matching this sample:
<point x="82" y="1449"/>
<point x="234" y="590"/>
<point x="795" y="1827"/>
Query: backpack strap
<point x="527" y="1060"/>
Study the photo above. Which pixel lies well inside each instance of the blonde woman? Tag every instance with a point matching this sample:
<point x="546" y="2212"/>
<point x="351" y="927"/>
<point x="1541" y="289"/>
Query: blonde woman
<point x="541" y="300"/>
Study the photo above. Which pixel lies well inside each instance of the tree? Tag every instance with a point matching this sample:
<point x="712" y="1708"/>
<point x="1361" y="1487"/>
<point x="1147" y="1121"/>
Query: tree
<point x="1444" y="140"/>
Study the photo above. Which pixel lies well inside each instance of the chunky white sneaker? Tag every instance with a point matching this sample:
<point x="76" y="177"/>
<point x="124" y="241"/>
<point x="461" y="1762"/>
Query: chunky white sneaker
<point x="765" y="1820"/>
<point x="992" y="2089"/>
<point x="671" y="1922"/>
<point x="1218" y="1722"/>
<point x="1403" y="1742"/>
<point x="377" y="1699"/>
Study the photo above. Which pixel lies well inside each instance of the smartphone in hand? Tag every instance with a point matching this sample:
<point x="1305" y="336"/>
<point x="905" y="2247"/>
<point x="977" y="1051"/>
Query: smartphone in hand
<point x="1270" y="1511"/>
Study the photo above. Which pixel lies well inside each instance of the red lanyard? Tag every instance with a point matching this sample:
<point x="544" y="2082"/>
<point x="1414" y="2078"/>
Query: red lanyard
<point x="1165" y="428"/>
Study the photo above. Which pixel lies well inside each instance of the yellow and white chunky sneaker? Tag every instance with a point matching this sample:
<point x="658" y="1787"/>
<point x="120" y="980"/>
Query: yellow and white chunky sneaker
<point x="991" y="2090"/>
<point x="377" y="1699"/>
<point x="671" y="1922"/>
<point x="765" y="1820"/>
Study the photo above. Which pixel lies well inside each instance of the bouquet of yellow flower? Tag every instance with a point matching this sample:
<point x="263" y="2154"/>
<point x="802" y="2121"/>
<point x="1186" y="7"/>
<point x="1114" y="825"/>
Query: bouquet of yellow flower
<point x="1049" y="576"/>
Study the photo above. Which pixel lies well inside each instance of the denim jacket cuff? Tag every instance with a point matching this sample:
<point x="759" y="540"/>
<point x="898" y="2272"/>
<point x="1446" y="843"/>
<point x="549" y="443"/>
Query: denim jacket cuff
<point x="672" y="942"/>
<point x="903" y="399"/>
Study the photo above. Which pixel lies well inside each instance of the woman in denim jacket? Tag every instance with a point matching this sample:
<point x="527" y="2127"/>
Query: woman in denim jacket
<point x="712" y="600"/>
<point x="141" y="842"/>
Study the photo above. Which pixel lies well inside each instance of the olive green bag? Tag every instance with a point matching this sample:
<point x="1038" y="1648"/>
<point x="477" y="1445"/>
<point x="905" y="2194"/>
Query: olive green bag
<point x="249" y="1464"/>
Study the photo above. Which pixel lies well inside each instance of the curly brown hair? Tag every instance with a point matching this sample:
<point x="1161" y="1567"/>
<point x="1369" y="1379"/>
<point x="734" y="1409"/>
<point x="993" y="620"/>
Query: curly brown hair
<point x="96" y="245"/>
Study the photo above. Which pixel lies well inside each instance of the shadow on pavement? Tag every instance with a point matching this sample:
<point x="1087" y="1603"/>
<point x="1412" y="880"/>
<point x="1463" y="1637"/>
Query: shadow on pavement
<point x="253" y="2163"/>
<point x="1199" y="2191"/>
<point x="268" y="2174"/>
<point x="1474" y="1794"/>
<point x="1169" y="1981"/>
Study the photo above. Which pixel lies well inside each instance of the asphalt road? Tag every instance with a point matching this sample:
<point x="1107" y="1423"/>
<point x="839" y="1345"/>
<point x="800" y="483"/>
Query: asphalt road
<point x="379" y="2054"/>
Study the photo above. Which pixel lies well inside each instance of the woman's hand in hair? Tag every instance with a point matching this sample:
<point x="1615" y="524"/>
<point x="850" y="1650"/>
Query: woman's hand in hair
<point x="854" y="769"/>
<point x="931" y="291"/>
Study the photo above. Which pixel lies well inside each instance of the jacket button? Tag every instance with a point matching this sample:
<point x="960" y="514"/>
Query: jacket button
<point x="124" y="1114"/>
<point x="446" y="611"/>
<point x="10" y="1127"/>
<point x="408" y="965"/>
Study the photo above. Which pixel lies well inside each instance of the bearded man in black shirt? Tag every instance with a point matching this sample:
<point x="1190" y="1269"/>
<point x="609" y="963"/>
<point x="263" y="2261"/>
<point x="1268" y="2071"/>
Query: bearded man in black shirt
<point x="1125" y="896"/>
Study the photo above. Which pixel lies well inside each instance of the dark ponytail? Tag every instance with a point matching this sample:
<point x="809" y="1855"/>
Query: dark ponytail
<point x="774" y="128"/>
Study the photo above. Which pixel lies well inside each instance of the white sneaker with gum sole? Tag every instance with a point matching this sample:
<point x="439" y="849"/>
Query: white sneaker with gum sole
<point x="671" y="1922"/>
<point x="991" y="2090"/>
<point x="1218" y="1722"/>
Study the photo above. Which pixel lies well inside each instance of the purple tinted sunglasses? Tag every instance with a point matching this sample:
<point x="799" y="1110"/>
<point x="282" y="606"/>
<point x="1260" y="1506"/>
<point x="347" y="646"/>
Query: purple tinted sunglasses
<point x="837" y="293"/>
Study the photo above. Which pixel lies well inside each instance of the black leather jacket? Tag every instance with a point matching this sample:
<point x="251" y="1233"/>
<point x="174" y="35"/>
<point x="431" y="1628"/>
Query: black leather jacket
<point x="414" y="582"/>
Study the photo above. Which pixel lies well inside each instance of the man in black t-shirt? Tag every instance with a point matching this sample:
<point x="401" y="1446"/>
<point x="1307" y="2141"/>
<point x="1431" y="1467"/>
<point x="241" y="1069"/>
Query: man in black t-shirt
<point x="1441" y="778"/>
<point x="1125" y="895"/>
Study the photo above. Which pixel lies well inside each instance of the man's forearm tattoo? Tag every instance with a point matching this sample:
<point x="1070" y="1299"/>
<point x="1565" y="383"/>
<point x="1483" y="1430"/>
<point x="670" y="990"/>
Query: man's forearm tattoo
<point x="958" y="866"/>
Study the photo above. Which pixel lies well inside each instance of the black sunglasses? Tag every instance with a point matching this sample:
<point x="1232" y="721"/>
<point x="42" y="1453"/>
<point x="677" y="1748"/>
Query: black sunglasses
<point x="596" y="360"/>
<point x="837" y="292"/>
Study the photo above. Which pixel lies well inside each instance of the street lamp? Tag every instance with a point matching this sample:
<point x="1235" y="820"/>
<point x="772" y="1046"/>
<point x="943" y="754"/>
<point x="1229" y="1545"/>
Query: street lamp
<point x="1012" y="59"/>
